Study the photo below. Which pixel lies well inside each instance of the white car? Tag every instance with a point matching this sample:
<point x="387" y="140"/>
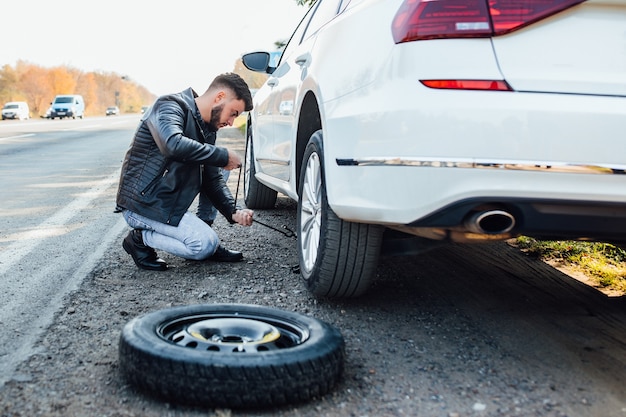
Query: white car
<point x="436" y="121"/>
<point x="16" y="110"/>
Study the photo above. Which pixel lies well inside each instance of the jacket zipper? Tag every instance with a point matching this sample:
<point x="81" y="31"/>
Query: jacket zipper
<point x="153" y="182"/>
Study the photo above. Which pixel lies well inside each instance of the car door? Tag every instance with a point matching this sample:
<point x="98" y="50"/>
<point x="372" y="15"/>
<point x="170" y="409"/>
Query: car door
<point x="290" y="83"/>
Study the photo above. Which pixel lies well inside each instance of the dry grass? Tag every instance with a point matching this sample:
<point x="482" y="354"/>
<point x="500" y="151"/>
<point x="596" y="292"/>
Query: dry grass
<point x="602" y="265"/>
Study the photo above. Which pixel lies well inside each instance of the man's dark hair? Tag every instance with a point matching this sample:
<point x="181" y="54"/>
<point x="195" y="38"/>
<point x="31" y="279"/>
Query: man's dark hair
<point x="236" y="84"/>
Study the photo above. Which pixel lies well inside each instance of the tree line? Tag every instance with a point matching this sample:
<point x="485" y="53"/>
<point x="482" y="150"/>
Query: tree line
<point x="38" y="86"/>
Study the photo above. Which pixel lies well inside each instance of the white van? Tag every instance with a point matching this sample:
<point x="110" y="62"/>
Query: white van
<point x="71" y="105"/>
<point x="16" y="110"/>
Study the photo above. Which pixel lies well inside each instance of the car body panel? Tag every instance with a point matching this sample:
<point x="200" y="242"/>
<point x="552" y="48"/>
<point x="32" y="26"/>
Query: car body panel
<point x="503" y="133"/>
<point x="577" y="51"/>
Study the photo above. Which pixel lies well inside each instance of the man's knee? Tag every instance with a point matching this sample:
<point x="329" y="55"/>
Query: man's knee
<point x="201" y="247"/>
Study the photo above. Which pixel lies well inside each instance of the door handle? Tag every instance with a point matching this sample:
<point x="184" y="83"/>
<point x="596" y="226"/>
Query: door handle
<point x="303" y="60"/>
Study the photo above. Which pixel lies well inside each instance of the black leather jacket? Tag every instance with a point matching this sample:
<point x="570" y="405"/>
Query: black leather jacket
<point x="170" y="160"/>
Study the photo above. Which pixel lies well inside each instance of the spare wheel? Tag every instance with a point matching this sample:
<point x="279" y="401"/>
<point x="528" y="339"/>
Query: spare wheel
<point x="231" y="355"/>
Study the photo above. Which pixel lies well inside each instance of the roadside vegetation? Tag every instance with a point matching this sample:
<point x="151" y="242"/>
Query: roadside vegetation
<point x="38" y="85"/>
<point x="603" y="264"/>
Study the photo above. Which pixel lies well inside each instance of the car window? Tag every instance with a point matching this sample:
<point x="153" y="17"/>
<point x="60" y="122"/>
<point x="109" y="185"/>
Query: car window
<point x="296" y="38"/>
<point x="319" y="14"/>
<point x="326" y="10"/>
<point x="344" y="5"/>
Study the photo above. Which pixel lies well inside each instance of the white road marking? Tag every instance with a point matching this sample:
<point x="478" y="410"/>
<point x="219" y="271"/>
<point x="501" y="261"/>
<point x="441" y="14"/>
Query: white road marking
<point x="33" y="291"/>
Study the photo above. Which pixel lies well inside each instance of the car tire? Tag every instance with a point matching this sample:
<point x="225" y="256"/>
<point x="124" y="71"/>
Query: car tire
<point x="338" y="258"/>
<point x="231" y="355"/>
<point x="256" y="194"/>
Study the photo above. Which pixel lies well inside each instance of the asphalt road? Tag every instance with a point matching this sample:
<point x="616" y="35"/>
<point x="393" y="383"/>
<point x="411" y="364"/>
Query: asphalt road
<point x="476" y="330"/>
<point x="57" y="178"/>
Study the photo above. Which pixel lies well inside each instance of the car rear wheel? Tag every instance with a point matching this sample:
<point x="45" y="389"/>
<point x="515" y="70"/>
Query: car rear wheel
<point x="256" y="194"/>
<point x="337" y="258"/>
<point x="231" y="355"/>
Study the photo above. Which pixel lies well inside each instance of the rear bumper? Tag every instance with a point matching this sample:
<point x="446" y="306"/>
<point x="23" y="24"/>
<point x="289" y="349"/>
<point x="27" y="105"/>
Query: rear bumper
<point x="555" y="160"/>
<point x="543" y="203"/>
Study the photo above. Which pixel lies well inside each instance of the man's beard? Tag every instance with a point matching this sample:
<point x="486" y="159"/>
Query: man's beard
<point x="216" y="112"/>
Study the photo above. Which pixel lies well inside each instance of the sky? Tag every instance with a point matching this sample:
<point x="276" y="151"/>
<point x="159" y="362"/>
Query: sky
<point x="163" y="45"/>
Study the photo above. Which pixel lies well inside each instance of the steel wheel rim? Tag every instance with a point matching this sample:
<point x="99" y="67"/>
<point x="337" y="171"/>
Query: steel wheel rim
<point x="311" y="212"/>
<point x="232" y="333"/>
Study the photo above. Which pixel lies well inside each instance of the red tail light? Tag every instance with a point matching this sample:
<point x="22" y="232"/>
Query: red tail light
<point x="433" y="19"/>
<point x="494" y="85"/>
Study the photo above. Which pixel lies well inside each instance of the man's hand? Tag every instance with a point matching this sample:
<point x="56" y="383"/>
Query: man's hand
<point x="234" y="161"/>
<point x="244" y="217"/>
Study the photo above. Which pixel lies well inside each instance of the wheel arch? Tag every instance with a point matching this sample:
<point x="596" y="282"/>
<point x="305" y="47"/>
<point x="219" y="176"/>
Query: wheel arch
<point x="310" y="121"/>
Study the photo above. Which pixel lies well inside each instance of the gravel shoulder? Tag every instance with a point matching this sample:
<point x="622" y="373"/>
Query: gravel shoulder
<point x="459" y="331"/>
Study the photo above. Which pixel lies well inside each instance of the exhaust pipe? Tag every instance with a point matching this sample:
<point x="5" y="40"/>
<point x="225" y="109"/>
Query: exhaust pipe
<point x="490" y="222"/>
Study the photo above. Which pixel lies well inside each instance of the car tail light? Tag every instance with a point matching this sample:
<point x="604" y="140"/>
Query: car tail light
<point x="494" y="85"/>
<point x="435" y="19"/>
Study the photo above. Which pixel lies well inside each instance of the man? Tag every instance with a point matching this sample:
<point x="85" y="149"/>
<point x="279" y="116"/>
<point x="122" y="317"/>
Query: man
<point x="206" y="210"/>
<point x="172" y="159"/>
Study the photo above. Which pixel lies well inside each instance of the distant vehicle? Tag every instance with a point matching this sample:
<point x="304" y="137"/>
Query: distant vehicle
<point x="68" y="106"/>
<point x="47" y="114"/>
<point x="144" y="109"/>
<point x="416" y="123"/>
<point x="16" y="110"/>
<point x="113" y="111"/>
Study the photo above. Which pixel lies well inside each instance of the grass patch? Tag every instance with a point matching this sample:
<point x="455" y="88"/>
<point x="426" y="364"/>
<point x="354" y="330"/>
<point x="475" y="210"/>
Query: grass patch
<point x="603" y="263"/>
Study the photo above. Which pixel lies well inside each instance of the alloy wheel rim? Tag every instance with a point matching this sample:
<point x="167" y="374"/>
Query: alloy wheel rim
<point x="311" y="212"/>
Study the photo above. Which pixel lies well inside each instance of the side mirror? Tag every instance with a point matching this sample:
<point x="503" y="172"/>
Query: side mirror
<point x="258" y="61"/>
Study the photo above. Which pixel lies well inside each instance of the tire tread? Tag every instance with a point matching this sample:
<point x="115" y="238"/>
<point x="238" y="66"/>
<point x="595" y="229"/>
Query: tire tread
<point x="174" y="373"/>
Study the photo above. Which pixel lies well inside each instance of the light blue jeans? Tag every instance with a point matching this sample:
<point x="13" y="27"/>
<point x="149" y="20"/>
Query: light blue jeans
<point x="191" y="239"/>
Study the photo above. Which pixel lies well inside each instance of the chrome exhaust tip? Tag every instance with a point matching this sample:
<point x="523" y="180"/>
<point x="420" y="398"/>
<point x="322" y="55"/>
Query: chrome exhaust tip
<point x="490" y="222"/>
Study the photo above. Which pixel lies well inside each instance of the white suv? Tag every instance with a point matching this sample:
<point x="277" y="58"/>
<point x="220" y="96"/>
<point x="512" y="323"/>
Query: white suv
<point x="445" y="120"/>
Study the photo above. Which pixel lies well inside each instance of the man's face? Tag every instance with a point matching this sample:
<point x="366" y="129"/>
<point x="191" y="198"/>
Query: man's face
<point x="224" y="114"/>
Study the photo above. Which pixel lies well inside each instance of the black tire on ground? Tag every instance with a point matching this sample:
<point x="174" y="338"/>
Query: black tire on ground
<point x="338" y="259"/>
<point x="231" y="355"/>
<point x="256" y="194"/>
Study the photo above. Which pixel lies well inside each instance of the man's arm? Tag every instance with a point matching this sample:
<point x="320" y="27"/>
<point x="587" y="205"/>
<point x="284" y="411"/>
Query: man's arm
<point x="166" y="122"/>
<point x="214" y="186"/>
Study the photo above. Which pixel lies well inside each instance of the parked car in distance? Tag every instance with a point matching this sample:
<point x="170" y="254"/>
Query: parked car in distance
<point x="16" y="110"/>
<point x="413" y="123"/>
<point x="112" y="111"/>
<point x="71" y="105"/>
<point x="144" y="109"/>
<point x="285" y="107"/>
